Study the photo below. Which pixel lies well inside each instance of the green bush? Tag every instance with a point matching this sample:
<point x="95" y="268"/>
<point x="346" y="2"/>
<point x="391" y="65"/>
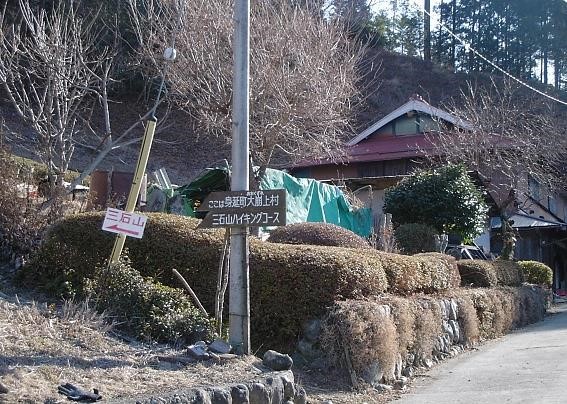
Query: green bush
<point x="481" y="273"/>
<point x="414" y="238"/>
<point x="444" y="198"/>
<point x="147" y="309"/>
<point x="537" y="273"/>
<point x="289" y="283"/>
<point x="326" y="234"/>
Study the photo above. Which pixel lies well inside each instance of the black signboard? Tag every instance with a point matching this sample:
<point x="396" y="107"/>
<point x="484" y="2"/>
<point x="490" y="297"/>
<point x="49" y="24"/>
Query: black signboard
<point x="244" y="209"/>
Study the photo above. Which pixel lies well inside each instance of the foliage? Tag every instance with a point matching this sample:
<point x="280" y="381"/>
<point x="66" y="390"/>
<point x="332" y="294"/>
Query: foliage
<point x="303" y="279"/>
<point x="317" y="234"/>
<point x="481" y="273"/>
<point x="537" y="273"/>
<point x="20" y="224"/>
<point x="147" y="309"/>
<point x="427" y="273"/>
<point x="444" y="198"/>
<point x="380" y="331"/>
<point x="413" y="238"/>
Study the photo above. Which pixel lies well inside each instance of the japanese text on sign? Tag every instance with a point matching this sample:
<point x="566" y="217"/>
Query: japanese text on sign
<point x="256" y="199"/>
<point x="121" y="222"/>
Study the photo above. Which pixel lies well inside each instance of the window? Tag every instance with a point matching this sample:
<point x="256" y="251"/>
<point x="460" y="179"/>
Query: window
<point x="533" y="187"/>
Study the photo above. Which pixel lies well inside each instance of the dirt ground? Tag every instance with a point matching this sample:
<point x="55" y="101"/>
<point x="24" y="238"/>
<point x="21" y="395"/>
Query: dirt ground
<point x="46" y="343"/>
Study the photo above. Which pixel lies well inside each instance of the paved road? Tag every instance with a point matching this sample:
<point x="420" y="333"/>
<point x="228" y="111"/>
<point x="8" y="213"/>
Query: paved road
<point x="527" y="366"/>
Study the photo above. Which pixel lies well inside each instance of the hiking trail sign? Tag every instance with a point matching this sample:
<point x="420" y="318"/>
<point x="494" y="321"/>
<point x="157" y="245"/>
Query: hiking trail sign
<point x="121" y="222"/>
<point x="260" y="208"/>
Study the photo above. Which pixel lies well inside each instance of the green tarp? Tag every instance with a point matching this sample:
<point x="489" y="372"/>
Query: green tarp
<point x="308" y="200"/>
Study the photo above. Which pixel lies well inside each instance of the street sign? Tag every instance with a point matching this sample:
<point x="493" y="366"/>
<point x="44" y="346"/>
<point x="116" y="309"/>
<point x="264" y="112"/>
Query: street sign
<point x="244" y="209"/>
<point x="121" y="222"/>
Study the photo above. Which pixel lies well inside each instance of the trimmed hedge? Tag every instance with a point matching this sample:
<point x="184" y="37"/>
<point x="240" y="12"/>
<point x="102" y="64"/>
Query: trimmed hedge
<point x="537" y="273"/>
<point x="390" y="329"/>
<point x="147" y="309"/>
<point x="291" y="284"/>
<point x="427" y="273"/>
<point x="326" y="234"/>
<point x="414" y="238"/>
<point x="480" y="273"/>
<point x="288" y="283"/>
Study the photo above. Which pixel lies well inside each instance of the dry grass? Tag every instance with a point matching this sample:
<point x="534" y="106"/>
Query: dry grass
<point x="42" y="346"/>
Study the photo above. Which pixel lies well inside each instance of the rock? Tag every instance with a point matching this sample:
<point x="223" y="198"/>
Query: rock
<point x="401" y="383"/>
<point x="277" y="361"/>
<point x="373" y="374"/>
<point x="312" y="330"/>
<point x="220" y="347"/>
<point x="428" y="363"/>
<point x="383" y="387"/>
<point x="3" y="389"/>
<point x="327" y="402"/>
<point x="443" y="304"/>
<point x="454" y="310"/>
<point x="198" y="351"/>
<point x="220" y="395"/>
<point x="277" y="386"/>
<point x="307" y="350"/>
<point x="408" y="371"/>
<point x="240" y="394"/>
<point x="259" y="394"/>
<point x="398" y="368"/>
<point x="300" y="396"/>
<point x="289" y="386"/>
<point x="456" y="331"/>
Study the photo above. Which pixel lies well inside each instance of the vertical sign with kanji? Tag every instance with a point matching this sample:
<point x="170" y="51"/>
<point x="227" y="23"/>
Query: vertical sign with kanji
<point x="121" y="222"/>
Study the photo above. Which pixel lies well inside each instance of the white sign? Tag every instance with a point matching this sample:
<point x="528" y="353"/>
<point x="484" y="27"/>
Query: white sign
<point x="121" y="222"/>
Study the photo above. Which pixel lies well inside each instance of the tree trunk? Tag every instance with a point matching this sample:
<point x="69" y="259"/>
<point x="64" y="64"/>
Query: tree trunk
<point x="427" y="30"/>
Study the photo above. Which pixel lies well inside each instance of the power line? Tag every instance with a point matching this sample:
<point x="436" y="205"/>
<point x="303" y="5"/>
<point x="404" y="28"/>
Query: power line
<point x="500" y="69"/>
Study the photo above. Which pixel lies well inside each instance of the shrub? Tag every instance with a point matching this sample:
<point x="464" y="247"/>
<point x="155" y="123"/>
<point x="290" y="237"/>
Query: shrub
<point x="20" y="224"/>
<point x="289" y="284"/>
<point x="147" y="309"/>
<point x="480" y="273"/>
<point x="292" y="284"/>
<point x="536" y="273"/>
<point x="420" y="273"/>
<point x="388" y="327"/>
<point x="366" y="331"/>
<point x="444" y="198"/>
<point x="414" y="238"/>
<point x="325" y="234"/>
<point x="509" y="273"/>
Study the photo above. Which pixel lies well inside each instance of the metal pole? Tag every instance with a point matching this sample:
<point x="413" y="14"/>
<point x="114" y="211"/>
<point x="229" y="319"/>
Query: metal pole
<point x="239" y="298"/>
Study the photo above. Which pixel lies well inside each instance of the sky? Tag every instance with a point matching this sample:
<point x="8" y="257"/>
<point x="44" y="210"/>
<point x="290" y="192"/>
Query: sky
<point x="386" y="5"/>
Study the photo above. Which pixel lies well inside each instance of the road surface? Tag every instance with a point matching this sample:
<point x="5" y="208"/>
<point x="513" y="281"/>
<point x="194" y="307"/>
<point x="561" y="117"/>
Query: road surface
<point x="527" y="366"/>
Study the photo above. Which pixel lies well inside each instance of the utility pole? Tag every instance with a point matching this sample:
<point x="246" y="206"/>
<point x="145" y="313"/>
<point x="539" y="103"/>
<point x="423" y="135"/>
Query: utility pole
<point x="239" y="296"/>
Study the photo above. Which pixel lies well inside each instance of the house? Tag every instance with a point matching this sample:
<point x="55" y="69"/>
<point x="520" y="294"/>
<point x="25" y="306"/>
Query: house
<point x="391" y="148"/>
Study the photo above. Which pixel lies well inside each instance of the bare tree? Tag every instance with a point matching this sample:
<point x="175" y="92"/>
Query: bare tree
<point x="56" y="67"/>
<point x="303" y="73"/>
<point x="512" y="136"/>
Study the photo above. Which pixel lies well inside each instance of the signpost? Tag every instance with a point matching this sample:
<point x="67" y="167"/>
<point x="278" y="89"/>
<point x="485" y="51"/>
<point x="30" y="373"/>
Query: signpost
<point x="124" y="223"/>
<point x="244" y="208"/>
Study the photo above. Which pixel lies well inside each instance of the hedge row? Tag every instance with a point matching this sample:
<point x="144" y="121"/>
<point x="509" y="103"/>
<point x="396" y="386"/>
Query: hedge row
<point x="407" y="332"/>
<point x="289" y="283"/>
<point x="427" y="272"/>
<point x="480" y="273"/>
<point x="309" y="233"/>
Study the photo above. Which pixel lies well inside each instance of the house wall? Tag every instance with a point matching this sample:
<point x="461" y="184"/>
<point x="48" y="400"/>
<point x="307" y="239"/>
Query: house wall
<point x="327" y="172"/>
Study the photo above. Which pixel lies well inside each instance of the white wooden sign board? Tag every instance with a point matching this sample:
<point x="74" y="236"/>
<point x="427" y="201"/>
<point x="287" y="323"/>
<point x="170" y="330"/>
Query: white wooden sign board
<point x="121" y="222"/>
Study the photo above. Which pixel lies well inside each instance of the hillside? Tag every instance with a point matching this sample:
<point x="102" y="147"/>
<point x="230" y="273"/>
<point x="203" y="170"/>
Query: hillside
<point x="388" y="80"/>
